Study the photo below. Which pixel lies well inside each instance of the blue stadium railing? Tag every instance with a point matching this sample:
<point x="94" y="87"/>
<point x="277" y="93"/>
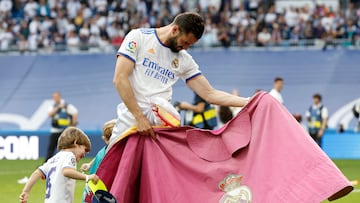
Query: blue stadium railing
<point x="285" y="44"/>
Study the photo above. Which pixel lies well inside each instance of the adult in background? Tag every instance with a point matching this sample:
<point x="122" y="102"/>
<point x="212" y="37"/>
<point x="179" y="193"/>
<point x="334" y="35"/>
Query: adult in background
<point x="317" y="117"/>
<point x="62" y="115"/>
<point x="204" y="115"/>
<point x="149" y="63"/>
<point x="276" y="90"/>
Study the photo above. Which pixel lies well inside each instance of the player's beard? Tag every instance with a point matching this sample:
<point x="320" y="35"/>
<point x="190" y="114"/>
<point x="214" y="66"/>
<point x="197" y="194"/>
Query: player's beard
<point x="172" y="44"/>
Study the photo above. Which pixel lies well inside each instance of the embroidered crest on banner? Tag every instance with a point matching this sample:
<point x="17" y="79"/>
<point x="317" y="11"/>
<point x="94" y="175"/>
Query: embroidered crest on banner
<point x="234" y="191"/>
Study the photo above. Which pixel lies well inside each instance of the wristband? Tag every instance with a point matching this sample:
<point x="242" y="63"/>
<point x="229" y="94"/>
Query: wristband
<point x="87" y="178"/>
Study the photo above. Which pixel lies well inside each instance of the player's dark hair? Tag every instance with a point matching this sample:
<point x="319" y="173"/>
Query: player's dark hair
<point x="190" y="22"/>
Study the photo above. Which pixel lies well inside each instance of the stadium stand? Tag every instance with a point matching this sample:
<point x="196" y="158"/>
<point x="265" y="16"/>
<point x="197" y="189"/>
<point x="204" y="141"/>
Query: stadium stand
<point x="100" y="25"/>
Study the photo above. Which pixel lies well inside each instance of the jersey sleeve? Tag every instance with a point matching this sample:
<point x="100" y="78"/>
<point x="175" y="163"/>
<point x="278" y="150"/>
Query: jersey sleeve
<point x="44" y="169"/>
<point x="130" y="46"/>
<point x="191" y="68"/>
<point x="69" y="161"/>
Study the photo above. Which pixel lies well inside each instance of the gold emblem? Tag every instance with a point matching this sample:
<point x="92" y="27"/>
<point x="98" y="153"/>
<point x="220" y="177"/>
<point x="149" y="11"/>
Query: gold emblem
<point x="175" y="63"/>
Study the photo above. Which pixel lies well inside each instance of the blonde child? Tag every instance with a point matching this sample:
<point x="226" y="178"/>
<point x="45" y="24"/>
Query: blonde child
<point x="60" y="170"/>
<point x="95" y="162"/>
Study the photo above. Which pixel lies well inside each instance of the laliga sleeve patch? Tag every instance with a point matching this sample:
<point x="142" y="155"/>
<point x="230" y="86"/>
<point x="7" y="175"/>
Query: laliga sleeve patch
<point x="131" y="46"/>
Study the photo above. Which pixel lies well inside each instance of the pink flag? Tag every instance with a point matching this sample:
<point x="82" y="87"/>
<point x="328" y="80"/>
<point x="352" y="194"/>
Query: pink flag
<point x="262" y="155"/>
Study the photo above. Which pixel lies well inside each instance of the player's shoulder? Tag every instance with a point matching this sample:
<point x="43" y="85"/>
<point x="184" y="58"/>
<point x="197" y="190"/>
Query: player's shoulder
<point x="184" y="54"/>
<point x="142" y="31"/>
<point x="68" y="158"/>
<point x="65" y="154"/>
<point x="146" y="31"/>
<point x="59" y="157"/>
<point x="141" y="34"/>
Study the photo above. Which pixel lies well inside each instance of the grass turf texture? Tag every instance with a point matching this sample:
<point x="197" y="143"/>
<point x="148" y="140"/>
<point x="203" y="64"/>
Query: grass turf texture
<point x="11" y="171"/>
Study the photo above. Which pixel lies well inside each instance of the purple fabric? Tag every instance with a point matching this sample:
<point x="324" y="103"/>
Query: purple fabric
<point x="276" y="158"/>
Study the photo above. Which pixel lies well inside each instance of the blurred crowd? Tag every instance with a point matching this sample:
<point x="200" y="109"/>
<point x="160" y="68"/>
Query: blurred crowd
<point x="28" y="25"/>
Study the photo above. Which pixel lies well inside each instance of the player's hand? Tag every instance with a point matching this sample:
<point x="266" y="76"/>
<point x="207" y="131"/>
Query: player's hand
<point x="85" y="167"/>
<point x="23" y="197"/>
<point x="144" y="127"/>
<point x="94" y="178"/>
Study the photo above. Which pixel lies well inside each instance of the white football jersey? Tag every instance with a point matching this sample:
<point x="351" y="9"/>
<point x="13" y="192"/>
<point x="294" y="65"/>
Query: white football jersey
<point x="157" y="68"/>
<point x="59" y="189"/>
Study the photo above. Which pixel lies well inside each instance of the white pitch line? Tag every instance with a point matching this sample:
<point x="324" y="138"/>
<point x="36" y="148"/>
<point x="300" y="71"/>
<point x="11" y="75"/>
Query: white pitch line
<point x="356" y="190"/>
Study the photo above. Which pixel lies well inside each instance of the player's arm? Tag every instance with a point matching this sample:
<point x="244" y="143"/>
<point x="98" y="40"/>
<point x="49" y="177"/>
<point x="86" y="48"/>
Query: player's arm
<point x="74" y="174"/>
<point x="35" y="176"/>
<point x="124" y="68"/>
<point x="202" y="87"/>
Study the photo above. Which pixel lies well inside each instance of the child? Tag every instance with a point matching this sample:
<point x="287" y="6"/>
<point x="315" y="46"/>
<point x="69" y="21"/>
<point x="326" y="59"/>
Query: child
<point x="60" y="170"/>
<point x="95" y="162"/>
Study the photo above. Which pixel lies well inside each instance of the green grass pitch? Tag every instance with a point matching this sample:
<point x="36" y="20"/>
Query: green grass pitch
<point x="11" y="171"/>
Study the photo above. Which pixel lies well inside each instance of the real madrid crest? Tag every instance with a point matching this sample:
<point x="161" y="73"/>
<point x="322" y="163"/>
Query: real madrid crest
<point x="235" y="192"/>
<point x="175" y="63"/>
